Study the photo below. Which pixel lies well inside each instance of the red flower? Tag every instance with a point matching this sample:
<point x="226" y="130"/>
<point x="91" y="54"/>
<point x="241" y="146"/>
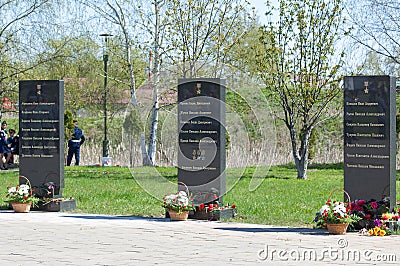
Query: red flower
<point x="25" y="197"/>
<point x="201" y="207"/>
<point x="374" y="205"/>
<point x="215" y="197"/>
<point x="210" y="207"/>
<point x="233" y="206"/>
<point x="361" y="202"/>
<point x="215" y="205"/>
<point x="368" y="216"/>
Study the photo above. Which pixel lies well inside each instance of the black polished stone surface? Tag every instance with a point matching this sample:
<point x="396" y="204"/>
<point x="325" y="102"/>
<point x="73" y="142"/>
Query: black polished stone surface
<point x="41" y="131"/>
<point x="370" y="137"/>
<point x="201" y="129"/>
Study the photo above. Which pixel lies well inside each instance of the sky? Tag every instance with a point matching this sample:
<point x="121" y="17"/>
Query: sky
<point x="259" y="5"/>
<point x="260" y="8"/>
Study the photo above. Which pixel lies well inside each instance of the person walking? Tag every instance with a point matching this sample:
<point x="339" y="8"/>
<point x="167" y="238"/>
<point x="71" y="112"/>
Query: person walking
<point x="74" y="144"/>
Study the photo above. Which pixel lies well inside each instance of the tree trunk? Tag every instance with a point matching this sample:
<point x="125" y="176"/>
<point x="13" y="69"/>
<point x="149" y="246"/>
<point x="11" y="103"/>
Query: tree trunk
<point x="301" y="166"/>
<point x="152" y="149"/>
<point x="303" y="162"/>
<point x="300" y="156"/>
<point x="153" y="129"/>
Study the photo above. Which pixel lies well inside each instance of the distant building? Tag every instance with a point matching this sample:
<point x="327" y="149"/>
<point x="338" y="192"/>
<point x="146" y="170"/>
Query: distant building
<point x="8" y="105"/>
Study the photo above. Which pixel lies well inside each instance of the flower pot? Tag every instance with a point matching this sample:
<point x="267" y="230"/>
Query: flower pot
<point x="202" y="215"/>
<point x="337" y="229"/>
<point x="175" y="216"/>
<point x="21" y="207"/>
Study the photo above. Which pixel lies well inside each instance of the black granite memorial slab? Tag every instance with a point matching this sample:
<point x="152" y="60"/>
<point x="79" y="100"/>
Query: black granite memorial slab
<point x="41" y="131"/>
<point x="201" y="129"/>
<point x="370" y="137"/>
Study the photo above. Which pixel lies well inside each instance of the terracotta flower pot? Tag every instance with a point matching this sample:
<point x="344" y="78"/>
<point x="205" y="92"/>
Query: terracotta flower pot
<point x="337" y="229"/>
<point x="21" y="207"/>
<point x="175" y="216"/>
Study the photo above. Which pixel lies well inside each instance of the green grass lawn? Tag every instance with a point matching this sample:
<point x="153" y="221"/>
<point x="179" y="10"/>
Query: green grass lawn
<point x="281" y="199"/>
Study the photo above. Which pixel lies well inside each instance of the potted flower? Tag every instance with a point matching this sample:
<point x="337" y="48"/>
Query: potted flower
<point x="379" y="229"/>
<point x="392" y="221"/>
<point x="214" y="211"/>
<point x="336" y="216"/>
<point x="21" y="197"/>
<point x="368" y="211"/>
<point x="178" y="205"/>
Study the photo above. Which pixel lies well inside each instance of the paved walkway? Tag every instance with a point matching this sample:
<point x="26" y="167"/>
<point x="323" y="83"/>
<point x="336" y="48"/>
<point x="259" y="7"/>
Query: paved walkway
<point x="60" y="238"/>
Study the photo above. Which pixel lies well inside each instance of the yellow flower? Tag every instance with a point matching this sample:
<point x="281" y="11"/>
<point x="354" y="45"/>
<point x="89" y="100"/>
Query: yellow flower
<point x="382" y="232"/>
<point x="387" y="216"/>
<point x="376" y="231"/>
<point x="371" y="232"/>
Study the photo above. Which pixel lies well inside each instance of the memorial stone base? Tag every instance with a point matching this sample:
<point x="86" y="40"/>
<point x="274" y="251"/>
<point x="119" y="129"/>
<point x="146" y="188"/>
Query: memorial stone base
<point x="57" y="206"/>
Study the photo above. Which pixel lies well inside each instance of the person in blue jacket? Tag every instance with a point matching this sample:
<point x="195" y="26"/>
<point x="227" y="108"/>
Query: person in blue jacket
<point x="3" y="145"/>
<point x="13" y="145"/>
<point x="74" y="144"/>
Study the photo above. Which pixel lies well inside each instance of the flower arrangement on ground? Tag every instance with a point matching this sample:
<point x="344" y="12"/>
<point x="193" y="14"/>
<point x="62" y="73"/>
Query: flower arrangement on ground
<point x="21" y="194"/>
<point x="335" y="212"/>
<point x="369" y="210"/>
<point x="387" y="225"/>
<point x="379" y="229"/>
<point x="210" y="207"/>
<point x="178" y="202"/>
<point x="214" y="211"/>
<point x="46" y="193"/>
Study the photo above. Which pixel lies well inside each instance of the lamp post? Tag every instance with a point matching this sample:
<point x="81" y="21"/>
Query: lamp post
<point x="105" y="60"/>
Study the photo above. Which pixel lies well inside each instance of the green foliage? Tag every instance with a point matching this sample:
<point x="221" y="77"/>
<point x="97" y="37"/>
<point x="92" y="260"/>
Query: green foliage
<point x="300" y="74"/>
<point x="68" y="124"/>
<point x="237" y="104"/>
<point x="397" y="123"/>
<point x="131" y="123"/>
<point x="204" y="31"/>
<point x="312" y="144"/>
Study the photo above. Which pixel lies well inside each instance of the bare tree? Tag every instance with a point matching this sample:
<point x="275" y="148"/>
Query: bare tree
<point x="299" y="69"/>
<point x="204" y="32"/>
<point x="376" y="26"/>
<point x="13" y="16"/>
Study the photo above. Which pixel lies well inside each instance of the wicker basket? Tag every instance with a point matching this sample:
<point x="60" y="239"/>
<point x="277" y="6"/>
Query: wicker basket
<point x="341" y="228"/>
<point x="344" y="191"/>
<point x="26" y="206"/>
<point x="175" y="216"/>
<point x="21" y="207"/>
<point x="337" y="229"/>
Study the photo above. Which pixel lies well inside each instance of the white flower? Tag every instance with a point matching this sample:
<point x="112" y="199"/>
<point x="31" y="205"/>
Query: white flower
<point x="324" y="208"/>
<point x="340" y="209"/>
<point x="12" y="190"/>
<point x="170" y="199"/>
<point x="182" y="194"/>
<point x="24" y="186"/>
<point x="178" y="199"/>
<point x="184" y="201"/>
